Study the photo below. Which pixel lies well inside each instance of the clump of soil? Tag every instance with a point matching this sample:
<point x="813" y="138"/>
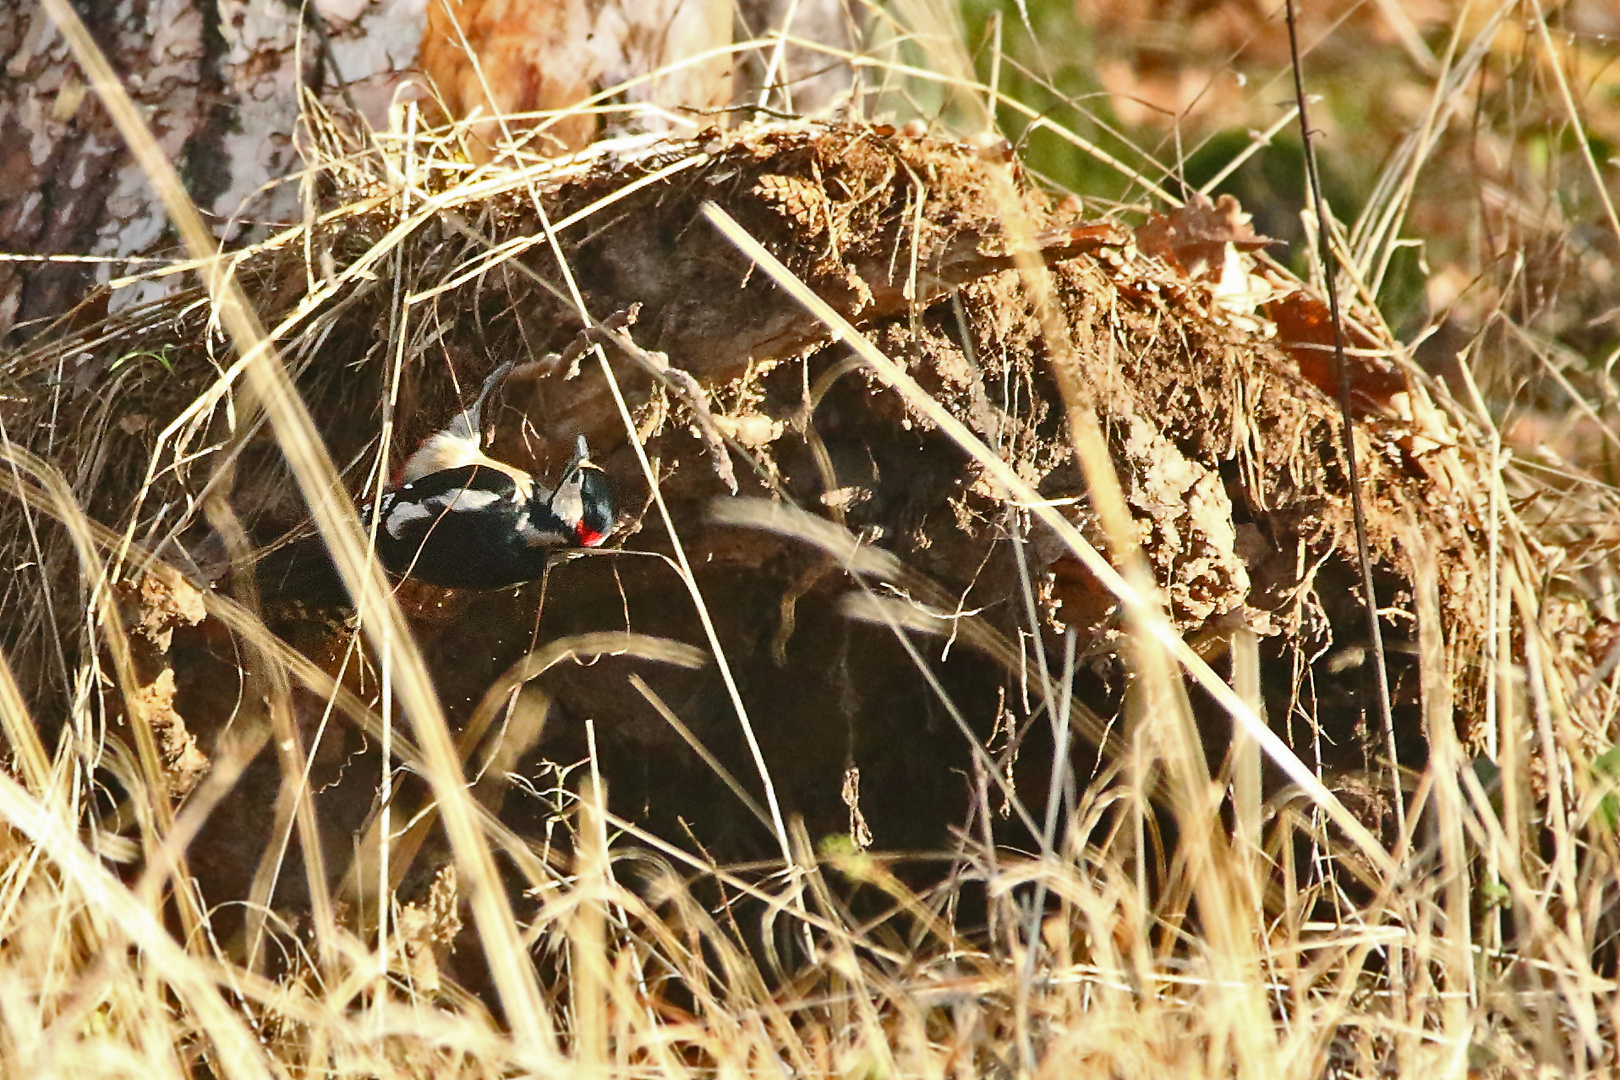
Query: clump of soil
<point x="391" y="312"/>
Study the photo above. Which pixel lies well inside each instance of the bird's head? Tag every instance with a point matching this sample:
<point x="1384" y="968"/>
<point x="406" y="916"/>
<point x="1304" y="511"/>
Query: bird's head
<point x="583" y="501"/>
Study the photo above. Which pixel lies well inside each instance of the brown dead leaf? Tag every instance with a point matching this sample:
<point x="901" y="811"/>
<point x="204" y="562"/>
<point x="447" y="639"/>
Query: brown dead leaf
<point x="1193" y="238"/>
<point x="1305" y="329"/>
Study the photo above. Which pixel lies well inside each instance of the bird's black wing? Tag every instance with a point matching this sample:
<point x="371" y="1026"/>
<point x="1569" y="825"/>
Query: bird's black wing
<point x="458" y="527"/>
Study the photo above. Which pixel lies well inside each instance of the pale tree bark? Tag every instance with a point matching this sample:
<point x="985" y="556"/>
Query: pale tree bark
<point x="218" y="80"/>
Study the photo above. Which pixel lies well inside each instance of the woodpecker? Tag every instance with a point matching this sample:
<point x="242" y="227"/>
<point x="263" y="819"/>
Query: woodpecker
<point x="461" y="519"/>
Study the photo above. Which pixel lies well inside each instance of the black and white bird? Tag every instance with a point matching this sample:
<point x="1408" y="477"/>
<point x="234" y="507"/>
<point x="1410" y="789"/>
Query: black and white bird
<point x="461" y="519"/>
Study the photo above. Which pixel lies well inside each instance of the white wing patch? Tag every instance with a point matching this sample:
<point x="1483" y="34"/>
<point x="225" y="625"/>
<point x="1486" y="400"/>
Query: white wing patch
<point x="463" y="500"/>
<point x="401" y="514"/>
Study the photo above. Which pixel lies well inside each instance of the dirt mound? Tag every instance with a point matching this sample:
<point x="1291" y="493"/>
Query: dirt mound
<point x="398" y="299"/>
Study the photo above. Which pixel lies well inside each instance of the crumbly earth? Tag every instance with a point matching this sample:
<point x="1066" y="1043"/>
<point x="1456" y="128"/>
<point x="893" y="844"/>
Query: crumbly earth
<point x="1229" y="457"/>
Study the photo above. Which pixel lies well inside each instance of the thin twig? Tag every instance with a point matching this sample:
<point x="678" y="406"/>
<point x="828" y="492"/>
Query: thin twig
<point x="1347" y="421"/>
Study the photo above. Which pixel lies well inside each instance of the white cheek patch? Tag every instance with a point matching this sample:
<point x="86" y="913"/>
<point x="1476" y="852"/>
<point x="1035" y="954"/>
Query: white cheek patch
<point x="400" y="515"/>
<point x="568" y="503"/>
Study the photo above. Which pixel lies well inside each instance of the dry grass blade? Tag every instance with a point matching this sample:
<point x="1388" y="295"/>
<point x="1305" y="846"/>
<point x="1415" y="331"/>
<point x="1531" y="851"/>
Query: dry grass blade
<point x="21" y="734"/>
<point x="248" y="626"/>
<point x="700" y="750"/>
<point x="921" y="668"/>
<point x="335" y="517"/>
<point x="550" y="231"/>
<point x="1020" y="490"/>
<point x="837" y="541"/>
<point x="361" y="876"/>
<point x="922" y="606"/>
<point x="237" y="1052"/>
<point x="150" y="788"/>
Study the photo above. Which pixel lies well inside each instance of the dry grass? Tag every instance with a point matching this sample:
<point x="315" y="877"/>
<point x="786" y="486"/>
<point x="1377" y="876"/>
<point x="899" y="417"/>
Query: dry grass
<point x="1476" y="942"/>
